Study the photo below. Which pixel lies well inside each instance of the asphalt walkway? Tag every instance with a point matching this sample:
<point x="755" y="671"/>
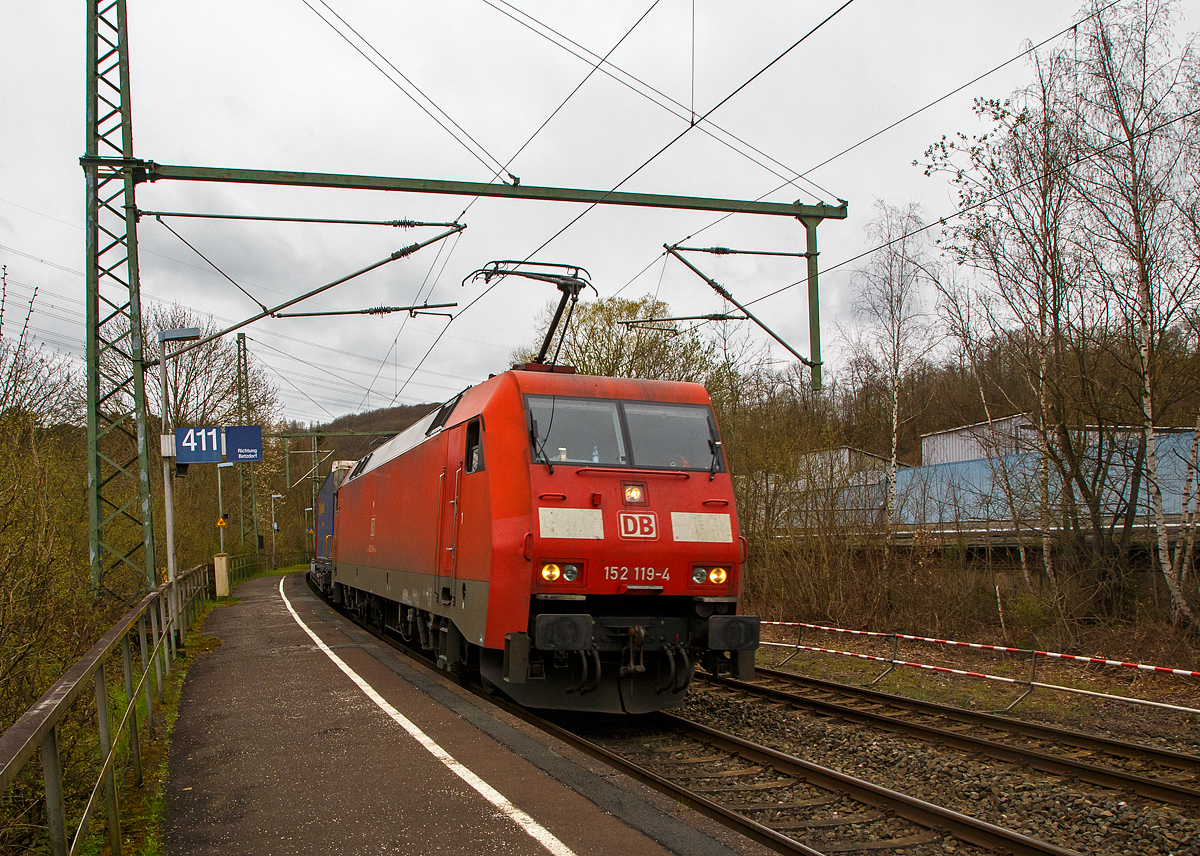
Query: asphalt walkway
<point x="299" y="733"/>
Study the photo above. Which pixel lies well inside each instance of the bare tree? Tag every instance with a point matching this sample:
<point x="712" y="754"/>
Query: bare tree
<point x="1132" y="98"/>
<point x="202" y="383"/>
<point x="597" y="343"/>
<point x="896" y="333"/>
<point x="43" y="387"/>
<point x="958" y="310"/>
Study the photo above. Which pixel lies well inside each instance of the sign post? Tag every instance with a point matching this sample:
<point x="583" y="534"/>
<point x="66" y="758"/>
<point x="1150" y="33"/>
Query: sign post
<point x="221" y="505"/>
<point x="182" y="334"/>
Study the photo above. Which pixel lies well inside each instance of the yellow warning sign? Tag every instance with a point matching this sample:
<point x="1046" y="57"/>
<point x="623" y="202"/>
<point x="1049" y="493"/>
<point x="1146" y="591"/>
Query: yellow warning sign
<point x="220" y="521"/>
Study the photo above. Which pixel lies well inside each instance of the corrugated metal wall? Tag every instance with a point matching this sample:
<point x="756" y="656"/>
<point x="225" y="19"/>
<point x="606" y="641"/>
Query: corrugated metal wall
<point x="983" y="440"/>
<point x="993" y="488"/>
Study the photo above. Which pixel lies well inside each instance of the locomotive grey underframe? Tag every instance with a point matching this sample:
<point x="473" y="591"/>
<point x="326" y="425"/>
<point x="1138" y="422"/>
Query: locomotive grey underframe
<point x="466" y="606"/>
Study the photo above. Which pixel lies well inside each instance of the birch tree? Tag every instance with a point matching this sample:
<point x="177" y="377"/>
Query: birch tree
<point x="895" y="332"/>
<point x="1135" y="95"/>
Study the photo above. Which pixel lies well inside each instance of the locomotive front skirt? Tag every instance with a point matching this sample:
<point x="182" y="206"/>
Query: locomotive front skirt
<point x="572" y="539"/>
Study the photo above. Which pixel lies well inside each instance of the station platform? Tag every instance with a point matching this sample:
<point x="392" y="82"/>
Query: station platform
<point x="299" y="733"/>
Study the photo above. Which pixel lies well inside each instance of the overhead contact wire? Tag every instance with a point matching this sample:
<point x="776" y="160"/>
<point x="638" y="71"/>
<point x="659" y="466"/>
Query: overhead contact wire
<point x="893" y="125"/>
<point x="684" y="112"/>
<point x="941" y="221"/>
<point x="213" y="265"/>
<point x="595" y="67"/>
<point x="404" y="321"/>
<point x="495" y="162"/>
<point x="953" y="92"/>
<point x="570" y="95"/>
<point x="682" y="133"/>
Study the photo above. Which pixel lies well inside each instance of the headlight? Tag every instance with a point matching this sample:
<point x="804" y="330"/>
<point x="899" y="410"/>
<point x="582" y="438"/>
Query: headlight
<point x="551" y="572"/>
<point x="570" y="573"/>
<point x="635" y="493"/>
<point x="715" y="576"/>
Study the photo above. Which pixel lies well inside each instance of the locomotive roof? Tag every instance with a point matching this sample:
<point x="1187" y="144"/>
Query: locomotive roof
<point x="471" y="401"/>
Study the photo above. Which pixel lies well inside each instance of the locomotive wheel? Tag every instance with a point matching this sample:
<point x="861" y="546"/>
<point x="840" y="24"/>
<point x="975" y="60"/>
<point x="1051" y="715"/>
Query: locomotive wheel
<point x="376" y="614"/>
<point x="488" y="686"/>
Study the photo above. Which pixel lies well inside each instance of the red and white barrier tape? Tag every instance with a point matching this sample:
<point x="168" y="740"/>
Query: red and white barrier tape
<point x="1186" y="673"/>
<point x="982" y="675"/>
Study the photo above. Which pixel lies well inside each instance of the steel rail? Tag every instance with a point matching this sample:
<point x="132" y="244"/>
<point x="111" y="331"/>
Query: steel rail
<point x="711" y="809"/>
<point x="961" y="826"/>
<point x="1166" y="757"/>
<point x="928" y="815"/>
<point x="1155" y="789"/>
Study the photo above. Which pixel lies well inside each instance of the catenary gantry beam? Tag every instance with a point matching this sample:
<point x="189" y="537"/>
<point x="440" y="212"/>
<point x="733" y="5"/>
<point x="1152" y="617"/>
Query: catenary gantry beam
<point x="809" y="215"/>
<point x="151" y="171"/>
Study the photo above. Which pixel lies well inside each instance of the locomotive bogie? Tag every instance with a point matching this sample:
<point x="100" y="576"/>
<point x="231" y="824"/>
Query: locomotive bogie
<point x="593" y="576"/>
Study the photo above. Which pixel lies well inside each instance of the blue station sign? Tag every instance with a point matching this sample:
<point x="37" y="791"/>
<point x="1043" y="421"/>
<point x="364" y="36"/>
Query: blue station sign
<point x="198" y="445"/>
<point x="243" y="443"/>
<point x="212" y="444"/>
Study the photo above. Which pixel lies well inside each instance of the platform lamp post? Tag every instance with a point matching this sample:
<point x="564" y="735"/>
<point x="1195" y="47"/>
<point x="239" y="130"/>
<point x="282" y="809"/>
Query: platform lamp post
<point x="182" y="334"/>
<point x="274" y="526"/>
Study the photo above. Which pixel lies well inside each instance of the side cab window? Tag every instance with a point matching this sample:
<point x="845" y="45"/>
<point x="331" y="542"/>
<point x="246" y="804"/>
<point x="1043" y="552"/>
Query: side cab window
<point x="474" y="455"/>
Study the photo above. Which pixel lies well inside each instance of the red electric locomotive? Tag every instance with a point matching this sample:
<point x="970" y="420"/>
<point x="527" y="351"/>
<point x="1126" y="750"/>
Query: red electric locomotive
<point x="571" y="538"/>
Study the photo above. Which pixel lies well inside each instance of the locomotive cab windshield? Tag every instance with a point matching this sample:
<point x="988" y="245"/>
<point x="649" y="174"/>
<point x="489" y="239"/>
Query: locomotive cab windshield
<point x="635" y="434"/>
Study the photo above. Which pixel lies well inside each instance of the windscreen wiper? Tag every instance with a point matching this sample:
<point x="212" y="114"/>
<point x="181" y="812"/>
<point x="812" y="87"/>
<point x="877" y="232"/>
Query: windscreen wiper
<point x="715" y="447"/>
<point x="539" y="450"/>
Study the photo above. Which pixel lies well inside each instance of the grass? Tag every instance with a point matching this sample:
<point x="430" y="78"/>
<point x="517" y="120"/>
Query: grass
<point x="143" y="808"/>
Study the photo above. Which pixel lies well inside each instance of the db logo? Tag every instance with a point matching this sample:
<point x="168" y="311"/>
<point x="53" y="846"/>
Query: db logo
<point x="638" y="524"/>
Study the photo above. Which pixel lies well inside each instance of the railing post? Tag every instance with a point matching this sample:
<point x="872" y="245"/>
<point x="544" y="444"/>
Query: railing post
<point x="154" y="650"/>
<point x="135" y="746"/>
<point x="164" y="643"/>
<point x="892" y="662"/>
<point x="191" y="602"/>
<point x="146" y="674"/>
<point x="1032" y="681"/>
<point x="169" y="621"/>
<point x="56" y="816"/>
<point x="104" y="730"/>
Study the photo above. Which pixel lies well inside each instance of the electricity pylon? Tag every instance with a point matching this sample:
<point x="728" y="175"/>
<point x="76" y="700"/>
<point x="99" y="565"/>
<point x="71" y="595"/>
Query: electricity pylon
<point x="119" y="514"/>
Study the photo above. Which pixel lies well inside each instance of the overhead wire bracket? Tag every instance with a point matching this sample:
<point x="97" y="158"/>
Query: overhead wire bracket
<point x="413" y="311"/>
<point x="724" y="292"/>
<point x="401" y="253"/>
<point x="649" y="323"/>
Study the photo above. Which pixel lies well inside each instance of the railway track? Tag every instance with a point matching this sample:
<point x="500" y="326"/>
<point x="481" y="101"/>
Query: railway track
<point x="785" y="803"/>
<point x="1152" y="773"/>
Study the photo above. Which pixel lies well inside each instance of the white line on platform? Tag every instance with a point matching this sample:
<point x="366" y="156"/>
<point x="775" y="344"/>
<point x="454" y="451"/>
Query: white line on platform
<point x="538" y="832"/>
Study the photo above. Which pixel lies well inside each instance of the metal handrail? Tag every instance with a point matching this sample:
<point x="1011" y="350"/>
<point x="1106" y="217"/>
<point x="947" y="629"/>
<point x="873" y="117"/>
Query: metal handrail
<point x="241" y="567"/>
<point x="38" y="727"/>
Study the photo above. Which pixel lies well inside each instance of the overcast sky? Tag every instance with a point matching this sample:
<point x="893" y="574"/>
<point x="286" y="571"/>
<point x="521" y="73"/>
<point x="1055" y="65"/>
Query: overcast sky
<point x="271" y="84"/>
